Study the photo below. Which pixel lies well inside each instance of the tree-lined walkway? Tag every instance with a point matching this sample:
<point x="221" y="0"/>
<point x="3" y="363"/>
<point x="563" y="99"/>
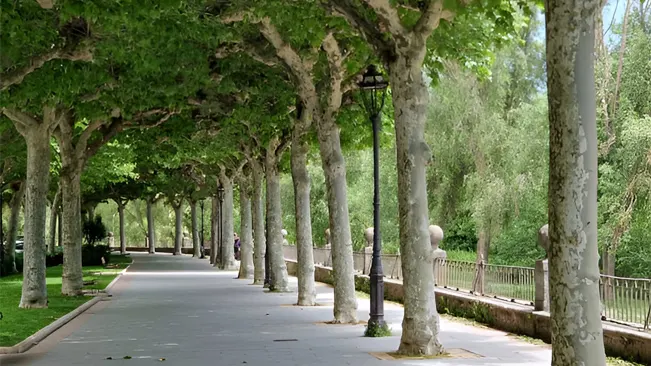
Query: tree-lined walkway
<point x="184" y="311"/>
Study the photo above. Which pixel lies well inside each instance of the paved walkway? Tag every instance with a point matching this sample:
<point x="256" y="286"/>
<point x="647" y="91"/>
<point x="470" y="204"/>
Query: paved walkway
<point x="181" y="310"/>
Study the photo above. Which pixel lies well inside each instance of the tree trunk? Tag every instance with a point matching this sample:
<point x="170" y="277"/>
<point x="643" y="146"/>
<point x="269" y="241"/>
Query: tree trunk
<point x="53" y="221"/>
<point x="178" y="232"/>
<point x="259" y="240"/>
<point x="10" y="247"/>
<point x="246" y="233"/>
<point x="34" y="292"/>
<point x="278" y="267"/>
<point x="577" y="335"/>
<point x="91" y="212"/>
<point x="70" y="181"/>
<point x="420" y="324"/>
<point x="228" y="228"/>
<point x="483" y="246"/>
<point x="334" y="168"/>
<point x="151" y="229"/>
<point x="214" y="240"/>
<point x="305" y="254"/>
<point x="123" y="237"/>
<point x="196" y="248"/>
<point x="59" y="229"/>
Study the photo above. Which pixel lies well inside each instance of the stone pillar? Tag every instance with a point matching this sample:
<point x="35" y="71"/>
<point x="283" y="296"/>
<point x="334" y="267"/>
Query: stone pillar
<point x="541" y="273"/>
<point x="541" y="278"/>
<point x="438" y="255"/>
<point x="328" y="247"/>
<point x="111" y="240"/>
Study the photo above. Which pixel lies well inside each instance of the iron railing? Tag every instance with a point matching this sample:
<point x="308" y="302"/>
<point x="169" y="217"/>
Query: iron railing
<point x="504" y="282"/>
<point x="624" y="300"/>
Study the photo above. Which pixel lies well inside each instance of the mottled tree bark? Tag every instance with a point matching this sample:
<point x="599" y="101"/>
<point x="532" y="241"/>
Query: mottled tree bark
<point x="279" y="277"/>
<point x="196" y="247"/>
<point x="577" y="335"/>
<point x="151" y="228"/>
<point x="334" y="168"/>
<point x="420" y="324"/>
<point x="227" y="261"/>
<point x="178" y="227"/>
<point x="70" y="182"/>
<point x="259" y="240"/>
<point x="12" y="234"/>
<point x="56" y="202"/>
<point x="246" y="232"/>
<point x="72" y="235"/>
<point x="37" y="136"/>
<point x="214" y="230"/>
<point x="305" y="254"/>
<point x="123" y="237"/>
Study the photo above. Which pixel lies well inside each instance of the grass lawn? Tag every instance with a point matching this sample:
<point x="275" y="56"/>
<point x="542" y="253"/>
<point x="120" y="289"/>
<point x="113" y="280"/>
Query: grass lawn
<point x="19" y="324"/>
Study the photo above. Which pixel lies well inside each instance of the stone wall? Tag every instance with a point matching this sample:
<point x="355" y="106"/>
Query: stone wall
<point x="510" y="317"/>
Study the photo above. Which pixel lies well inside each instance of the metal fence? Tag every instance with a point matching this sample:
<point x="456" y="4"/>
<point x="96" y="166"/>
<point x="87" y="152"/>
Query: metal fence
<point x="624" y="300"/>
<point x="505" y="282"/>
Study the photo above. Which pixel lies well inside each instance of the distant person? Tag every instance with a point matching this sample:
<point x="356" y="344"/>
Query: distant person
<point x="236" y="246"/>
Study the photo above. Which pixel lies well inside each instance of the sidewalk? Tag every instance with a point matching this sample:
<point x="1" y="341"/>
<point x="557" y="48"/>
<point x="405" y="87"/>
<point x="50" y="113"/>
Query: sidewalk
<point x="183" y="311"/>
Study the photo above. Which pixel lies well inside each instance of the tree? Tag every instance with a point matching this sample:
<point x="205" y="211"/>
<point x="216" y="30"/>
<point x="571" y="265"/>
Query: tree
<point x="37" y="133"/>
<point x="403" y="52"/>
<point x="322" y="102"/>
<point x="246" y="229"/>
<point x="577" y="335"/>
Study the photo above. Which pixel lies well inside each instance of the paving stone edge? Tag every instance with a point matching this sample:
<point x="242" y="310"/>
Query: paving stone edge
<point x="40" y="335"/>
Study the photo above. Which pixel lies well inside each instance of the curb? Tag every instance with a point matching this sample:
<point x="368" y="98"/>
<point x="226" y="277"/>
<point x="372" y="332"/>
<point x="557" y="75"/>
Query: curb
<point x="39" y="336"/>
<point x="112" y="283"/>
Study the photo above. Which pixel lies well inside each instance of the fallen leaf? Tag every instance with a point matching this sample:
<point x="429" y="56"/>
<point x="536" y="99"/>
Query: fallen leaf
<point x="127" y="357"/>
<point x="161" y="359"/>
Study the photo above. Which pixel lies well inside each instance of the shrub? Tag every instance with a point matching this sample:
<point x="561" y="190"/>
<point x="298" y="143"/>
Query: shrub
<point x="94" y="230"/>
<point x="51" y="260"/>
<point x="91" y="255"/>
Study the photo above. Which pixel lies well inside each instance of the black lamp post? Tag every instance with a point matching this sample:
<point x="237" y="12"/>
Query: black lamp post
<point x="201" y="250"/>
<point x="373" y="88"/>
<point x="220" y="196"/>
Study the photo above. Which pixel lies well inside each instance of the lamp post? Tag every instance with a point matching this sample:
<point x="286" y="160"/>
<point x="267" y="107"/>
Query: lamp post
<point x="373" y="89"/>
<point x="201" y="256"/>
<point x="220" y="196"/>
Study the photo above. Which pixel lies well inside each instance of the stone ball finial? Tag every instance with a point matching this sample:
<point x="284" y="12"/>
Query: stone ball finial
<point x="284" y="232"/>
<point x="327" y="236"/>
<point x="543" y="238"/>
<point x="368" y="235"/>
<point x="435" y="235"/>
<point x="110" y="234"/>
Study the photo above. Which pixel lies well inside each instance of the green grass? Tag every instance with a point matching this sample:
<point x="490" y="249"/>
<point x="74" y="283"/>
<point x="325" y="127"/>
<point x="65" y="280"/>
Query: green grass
<point x="461" y="255"/>
<point x="19" y="324"/>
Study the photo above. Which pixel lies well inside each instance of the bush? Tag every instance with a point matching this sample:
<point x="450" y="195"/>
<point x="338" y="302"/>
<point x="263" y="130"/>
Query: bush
<point x="91" y="255"/>
<point x="51" y="260"/>
<point x="94" y="230"/>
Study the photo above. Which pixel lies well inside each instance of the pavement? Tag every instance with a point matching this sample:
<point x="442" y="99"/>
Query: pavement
<point x="177" y="310"/>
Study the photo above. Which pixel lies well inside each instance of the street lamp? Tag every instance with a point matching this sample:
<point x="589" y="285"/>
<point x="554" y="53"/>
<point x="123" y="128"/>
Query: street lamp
<point x="373" y="89"/>
<point x="220" y="197"/>
<point x="201" y="250"/>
